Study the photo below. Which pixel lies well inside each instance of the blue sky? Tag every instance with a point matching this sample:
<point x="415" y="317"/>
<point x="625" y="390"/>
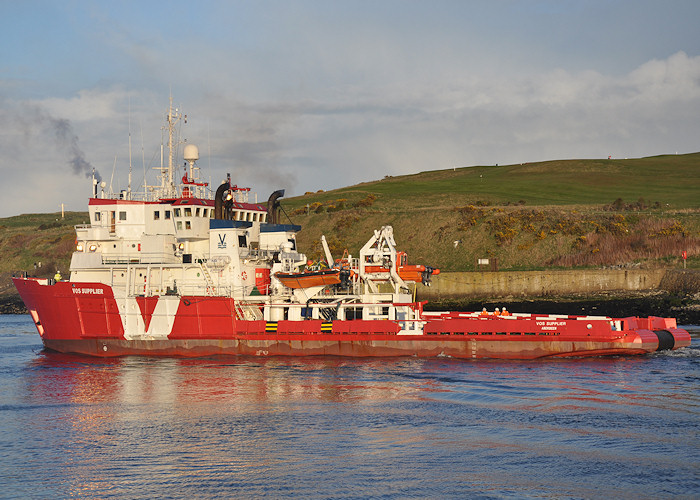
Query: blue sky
<point x="309" y="95"/>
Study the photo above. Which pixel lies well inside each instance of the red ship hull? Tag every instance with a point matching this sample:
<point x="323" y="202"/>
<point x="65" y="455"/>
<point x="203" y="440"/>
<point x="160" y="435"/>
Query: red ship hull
<point x="86" y="318"/>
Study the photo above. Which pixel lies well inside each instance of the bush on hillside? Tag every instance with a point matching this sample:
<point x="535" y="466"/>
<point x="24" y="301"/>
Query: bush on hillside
<point x="367" y="201"/>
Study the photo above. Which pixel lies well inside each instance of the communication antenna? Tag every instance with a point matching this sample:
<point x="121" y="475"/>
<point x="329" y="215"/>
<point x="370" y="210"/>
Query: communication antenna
<point x="111" y="179"/>
<point x="128" y="191"/>
<point x="143" y="158"/>
<point x="167" y="175"/>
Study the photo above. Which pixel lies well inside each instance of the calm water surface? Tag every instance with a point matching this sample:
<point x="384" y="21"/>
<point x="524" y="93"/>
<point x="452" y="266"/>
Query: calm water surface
<point x="345" y="428"/>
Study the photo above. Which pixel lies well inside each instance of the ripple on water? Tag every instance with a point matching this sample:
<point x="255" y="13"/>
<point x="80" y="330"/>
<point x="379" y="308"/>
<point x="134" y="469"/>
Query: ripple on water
<point x="328" y="427"/>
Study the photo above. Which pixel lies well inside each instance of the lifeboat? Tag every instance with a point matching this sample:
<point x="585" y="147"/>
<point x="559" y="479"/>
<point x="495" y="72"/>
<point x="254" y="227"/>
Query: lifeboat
<point x="308" y="279"/>
<point x="413" y="273"/>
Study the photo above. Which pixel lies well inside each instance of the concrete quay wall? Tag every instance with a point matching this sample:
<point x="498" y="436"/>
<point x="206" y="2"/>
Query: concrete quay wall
<point x="556" y="283"/>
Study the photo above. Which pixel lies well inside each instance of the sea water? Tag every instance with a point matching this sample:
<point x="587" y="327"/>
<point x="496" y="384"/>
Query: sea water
<point x="326" y="427"/>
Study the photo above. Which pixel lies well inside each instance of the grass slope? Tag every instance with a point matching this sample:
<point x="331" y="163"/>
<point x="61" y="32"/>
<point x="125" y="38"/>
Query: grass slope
<point x="669" y="179"/>
<point x="549" y="214"/>
<point x="46" y="240"/>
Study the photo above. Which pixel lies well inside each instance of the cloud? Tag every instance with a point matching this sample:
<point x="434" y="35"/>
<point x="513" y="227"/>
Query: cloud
<point x="557" y="114"/>
<point x="673" y="79"/>
<point x="346" y="133"/>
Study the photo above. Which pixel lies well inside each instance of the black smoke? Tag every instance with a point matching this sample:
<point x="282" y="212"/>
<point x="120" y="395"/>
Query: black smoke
<point x="68" y="140"/>
<point x="36" y="121"/>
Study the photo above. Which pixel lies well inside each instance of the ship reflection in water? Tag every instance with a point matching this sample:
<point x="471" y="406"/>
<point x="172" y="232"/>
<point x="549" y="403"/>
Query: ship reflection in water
<point x="328" y="427"/>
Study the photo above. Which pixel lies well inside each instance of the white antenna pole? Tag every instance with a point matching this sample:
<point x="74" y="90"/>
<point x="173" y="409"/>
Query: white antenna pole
<point x="128" y="192"/>
<point x="111" y="191"/>
<point x="162" y="166"/>
<point x="143" y="160"/>
<point x="174" y="116"/>
<point x="170" y="146"/>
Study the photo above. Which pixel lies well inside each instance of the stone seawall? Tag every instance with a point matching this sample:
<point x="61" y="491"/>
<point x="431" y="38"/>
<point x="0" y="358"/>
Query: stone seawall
<point x="558" y="283"/>
<point x="672" y="293"/>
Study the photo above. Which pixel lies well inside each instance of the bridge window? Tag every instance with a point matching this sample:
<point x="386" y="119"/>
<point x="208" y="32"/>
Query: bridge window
<point x="122" y="215"/>
<point x="177" y="212"/>
<point x="197" y="212"/>
<point x="188" y="212"/>
<point x="167" y="215"/>
<point x="97" y="216"/>
<point x="188" y="225"/>
<point x="156" y="215"/>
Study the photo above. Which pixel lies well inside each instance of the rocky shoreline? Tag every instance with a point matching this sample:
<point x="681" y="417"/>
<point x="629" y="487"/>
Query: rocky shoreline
<point x="12" y="304"/>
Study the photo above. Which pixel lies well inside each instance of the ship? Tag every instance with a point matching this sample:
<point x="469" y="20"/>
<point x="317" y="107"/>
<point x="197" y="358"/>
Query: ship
<point x="185" y="270"/>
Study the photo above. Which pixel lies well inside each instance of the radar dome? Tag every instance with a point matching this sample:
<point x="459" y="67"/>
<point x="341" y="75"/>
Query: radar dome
<point x="191" y="153"/>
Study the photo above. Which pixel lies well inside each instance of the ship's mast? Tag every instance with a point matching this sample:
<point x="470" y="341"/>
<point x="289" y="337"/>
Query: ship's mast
<point x="128" y="191"/>
<point x="167" y="176"/>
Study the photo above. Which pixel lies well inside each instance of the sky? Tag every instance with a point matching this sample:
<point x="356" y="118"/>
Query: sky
<point x="318" y="94"/>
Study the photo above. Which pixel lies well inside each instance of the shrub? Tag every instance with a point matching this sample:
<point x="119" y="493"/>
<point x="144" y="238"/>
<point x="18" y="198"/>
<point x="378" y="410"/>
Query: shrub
<point x="579" y="242"/>
<point x="640" y="204"/>
<point x="504" y="237"/>
<point x="346" y="221"/>
<point x="367" y="201"/>
<point x="675" y="229"/>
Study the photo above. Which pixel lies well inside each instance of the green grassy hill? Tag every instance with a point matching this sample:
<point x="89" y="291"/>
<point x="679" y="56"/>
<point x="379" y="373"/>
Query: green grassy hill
<point x="38" y="243"/>
<point x="669" y="179"/>
<point x="565" y="213"/>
